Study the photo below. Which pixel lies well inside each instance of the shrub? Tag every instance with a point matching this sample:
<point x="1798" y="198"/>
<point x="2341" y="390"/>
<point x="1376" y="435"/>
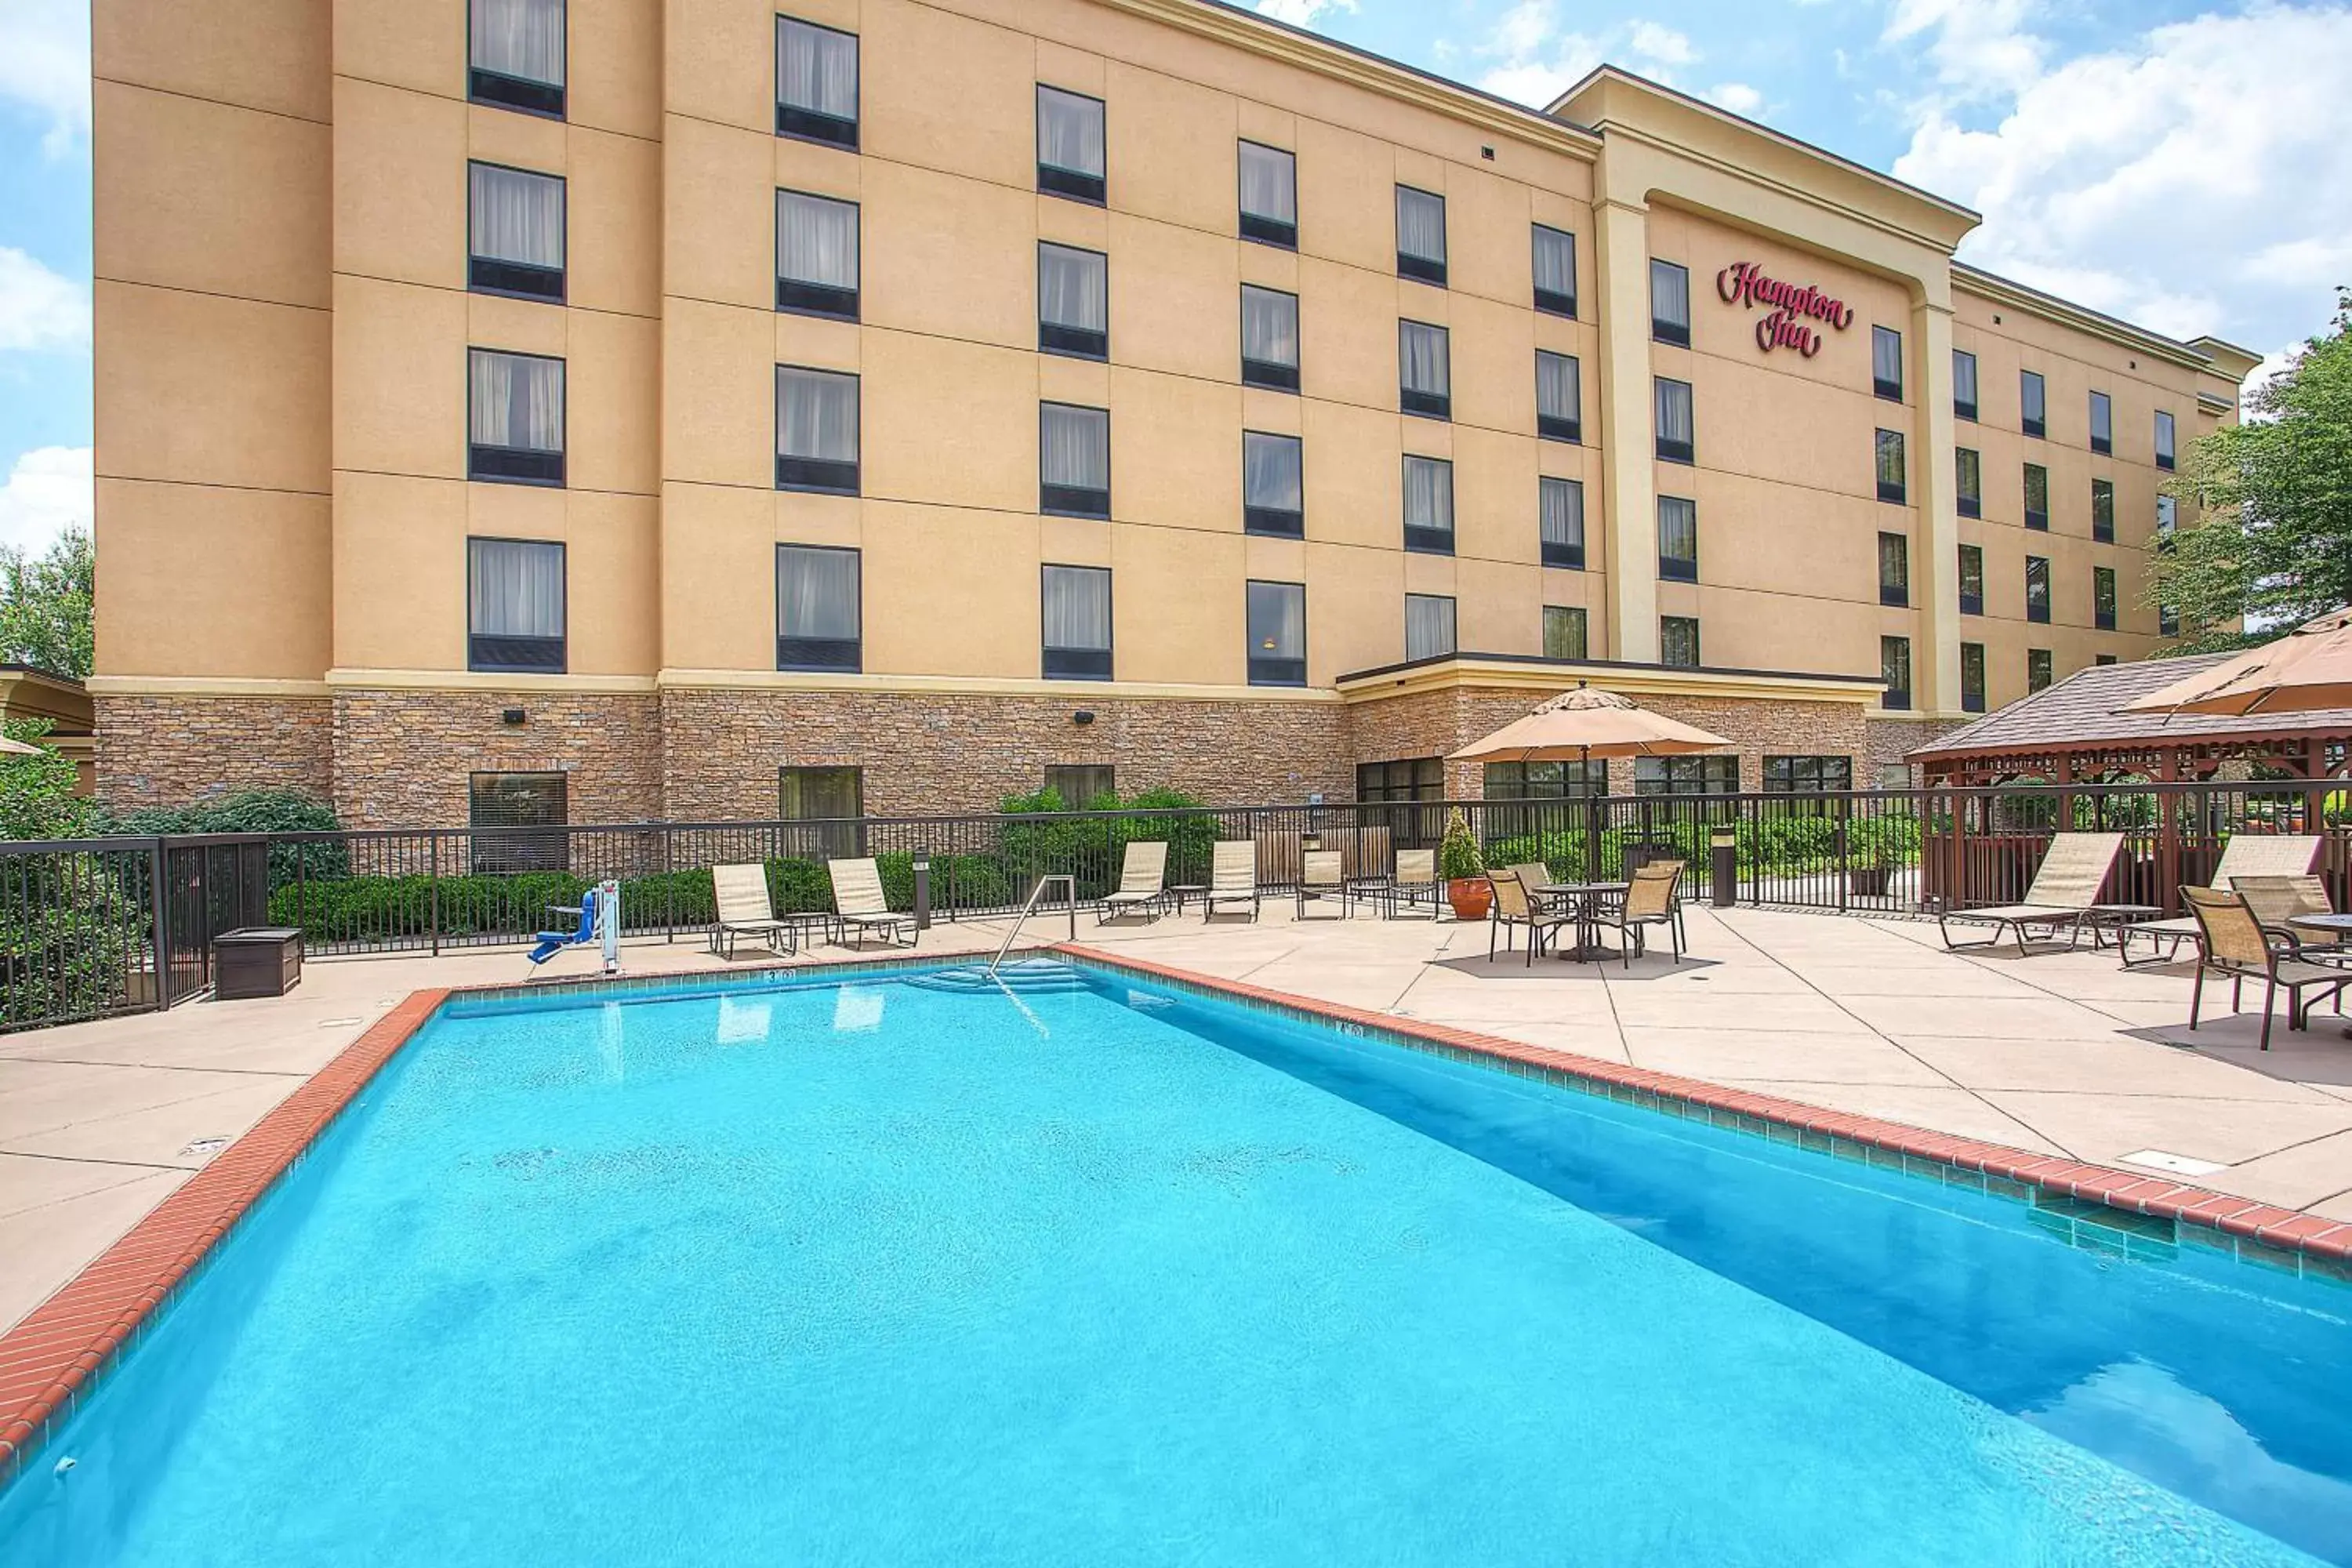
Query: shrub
<point x="68" y="939"/>
<point x="37" y="792"/>
<point x="1458" y="852"/>
<point x="254" y="811"/>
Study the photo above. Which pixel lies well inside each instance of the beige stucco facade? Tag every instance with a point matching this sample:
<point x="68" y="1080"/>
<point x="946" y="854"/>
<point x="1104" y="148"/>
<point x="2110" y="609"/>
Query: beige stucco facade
<point x="284" y="318"/>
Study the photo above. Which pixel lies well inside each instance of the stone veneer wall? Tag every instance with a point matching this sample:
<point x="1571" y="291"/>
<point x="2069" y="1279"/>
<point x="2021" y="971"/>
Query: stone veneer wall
<point x="1891" y="739"/>
<point x="177" y="751"/>
<point x="405" y="757"/>
<point x="936" y="752"/>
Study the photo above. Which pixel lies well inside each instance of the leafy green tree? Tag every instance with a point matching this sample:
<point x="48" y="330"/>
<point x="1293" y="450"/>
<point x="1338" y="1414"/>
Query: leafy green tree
<point x="44" y="606"/>
<point x="2273" y="544"/>
<point x="37" y="792"/>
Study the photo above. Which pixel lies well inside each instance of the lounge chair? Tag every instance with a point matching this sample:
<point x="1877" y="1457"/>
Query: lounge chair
<point x="858" y="903"/>
<point x="1233" y="876"/>
<point x="744" y="908"/>
<point x="2231" y="941"/>
<point x="1142" y="881"/>
<point x="2064" y="890"/>
<point x="1651" y="898"/>
<point x="1322" y="879"/>
<point x="1414" y="883"/>
<point x="2245" y="855"/>
<point x="1514" y="907"/>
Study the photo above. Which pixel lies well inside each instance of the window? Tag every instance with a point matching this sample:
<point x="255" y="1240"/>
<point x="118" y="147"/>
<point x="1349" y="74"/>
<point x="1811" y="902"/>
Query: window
<point x="1560" y="396"/>
<point x="1669" y="302"/>
<point x="1429" y="505"/>
<point x="2163" y="455"/>
<point x="1967" y="469"/>
<point x="1560" y="503"/>
<point x="816" y="256"/>
<point x="1080" y="784"/>
<point x="1678" y="641"/>
<point x="1277" y="633"/>
<point x="1072" y="301"/>
<point x="2103" y="511"/>
<point x="1964" y="385"/>
<point x="502" y="807"/>
<point x="1077" y="622"/>
<point x="1428" y="626"/>
<point x="1070" y="145"/>
<point x="514" y="233"/>
<point x="1971" y="580"/>
<point x="1564" y="632"/>
<point x="2103" y="423"/>
<point x="1678" y="538"/>
<point x="1887" y="363"/>
<point x="835" y="797"/>
<point x="1891" y="486"/>
<point x="2037" y="497"/>
<point x="1415" y="778"/>
<point x="1808" y="776"/>
<point x="1269" y="338"/>
<point x="2168" y="621"/>
<point x="1676" y="441"/>
<point x="2168" y="515"/>
<point x="2103" y="597"/>
<point x="1425" y="371"/>
<point x="2037" y="669"/>
<point x="514" y="605"/>
<point x="816" y="83"/>
<point x="1269" y="182"/>
<point x="1686" y="775"/>
<point x="1555" y="272"/>
<point x="1894" y="670"/>
<point x="2037" y="588"/>
<point x="1545" y="781"/>
<point x="1421" y="235"/>
<point x="515" y="55"/>
<point x="816" y="430"/>
<point x="1973" y="678"/>
<point x="1073" y="460"/>
<point x="2031" y="411"/>
<point x="1893" y="569"/>
<point x="819" y="615"/>
<point x="1273" y="485"/>
<point x="2102" y="658"/>
<point x="514" y="418"/>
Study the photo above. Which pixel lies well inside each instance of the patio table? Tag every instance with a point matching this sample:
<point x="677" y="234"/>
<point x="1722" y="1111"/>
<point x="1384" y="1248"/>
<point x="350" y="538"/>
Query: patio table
<point x="1584" y="901"/>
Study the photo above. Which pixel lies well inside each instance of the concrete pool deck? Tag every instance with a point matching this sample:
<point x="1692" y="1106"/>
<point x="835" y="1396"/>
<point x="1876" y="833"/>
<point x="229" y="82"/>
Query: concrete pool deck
<point x="2061" y="1053"/>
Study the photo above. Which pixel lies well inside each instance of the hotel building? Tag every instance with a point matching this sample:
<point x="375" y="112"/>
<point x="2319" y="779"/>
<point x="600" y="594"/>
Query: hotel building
<point x="612" y="410"/>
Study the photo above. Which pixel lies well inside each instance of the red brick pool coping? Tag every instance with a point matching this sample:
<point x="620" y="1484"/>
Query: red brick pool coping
<point x="48" y="1360"/>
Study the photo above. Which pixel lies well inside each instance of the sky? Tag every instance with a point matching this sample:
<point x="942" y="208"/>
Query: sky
<point x="2187" y="166"/>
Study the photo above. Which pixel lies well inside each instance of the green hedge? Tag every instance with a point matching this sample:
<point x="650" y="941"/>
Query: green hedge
<point x="1780" y="846"/>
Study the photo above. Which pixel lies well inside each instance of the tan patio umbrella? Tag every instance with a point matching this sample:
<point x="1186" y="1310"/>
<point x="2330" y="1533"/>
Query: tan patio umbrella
<point x="1582" y="724"/>
<point x="2309" y="669"/>
<point x="20" y="748"/>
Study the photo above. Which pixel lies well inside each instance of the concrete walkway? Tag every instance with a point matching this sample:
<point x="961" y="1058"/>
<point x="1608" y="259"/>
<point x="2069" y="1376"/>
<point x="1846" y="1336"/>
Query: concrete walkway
<point x="2059" y="1053"/>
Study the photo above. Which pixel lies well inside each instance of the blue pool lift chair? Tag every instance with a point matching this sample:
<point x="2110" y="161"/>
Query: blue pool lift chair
<point x="599" y="926"/>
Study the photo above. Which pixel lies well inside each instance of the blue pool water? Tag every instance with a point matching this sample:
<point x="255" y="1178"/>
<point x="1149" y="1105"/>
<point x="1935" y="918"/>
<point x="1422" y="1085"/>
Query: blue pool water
<point x="875" y="1274"/>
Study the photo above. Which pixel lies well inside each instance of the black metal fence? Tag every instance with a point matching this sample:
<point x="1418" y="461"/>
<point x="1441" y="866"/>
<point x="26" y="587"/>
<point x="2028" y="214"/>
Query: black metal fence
<point x="108" y="925"/>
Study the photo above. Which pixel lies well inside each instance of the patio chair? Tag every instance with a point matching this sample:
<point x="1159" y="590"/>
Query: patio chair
<point x="1322" y="879"/>
<point x="2245" y="855"/>
<point x="1414" y="883"/>
<point x="1142" y="881"/>
<point x="2064" y="890"/>
<point x="2231" y="941"/>
<point x="1514" y="908"/>
<point x="1533" y="875"/>
<point x="744" y="908"/>
<point x="858" y="903"/>
<point x="1233" y="876"/>
<point x="1652" y="898"/>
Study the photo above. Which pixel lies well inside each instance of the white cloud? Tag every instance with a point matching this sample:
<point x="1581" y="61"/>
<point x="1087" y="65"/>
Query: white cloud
<point x="1301" y="13"/>
<point x="1978" y="47"/>
<point x="44" y="65"/>
<point x="49" y="489"/>
<point x="1538" y="60"/>
<point x="1737" y="97"/>
<point x="1662" y="44"/>
<point x="39" y="308"/>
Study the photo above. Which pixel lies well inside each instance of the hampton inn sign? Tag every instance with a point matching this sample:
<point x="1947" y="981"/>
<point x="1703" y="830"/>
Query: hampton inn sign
<point x="1746" y="283"/>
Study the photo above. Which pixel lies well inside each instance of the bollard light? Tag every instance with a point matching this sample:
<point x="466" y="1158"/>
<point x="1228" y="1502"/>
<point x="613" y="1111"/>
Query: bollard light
<point x="1723" y="856"/>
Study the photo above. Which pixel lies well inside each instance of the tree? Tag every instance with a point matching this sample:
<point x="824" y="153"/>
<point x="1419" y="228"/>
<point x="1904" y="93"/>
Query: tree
<point x="2273" y="545"/>
<point x="37" y="792"/>
<point x="44" y="606"/>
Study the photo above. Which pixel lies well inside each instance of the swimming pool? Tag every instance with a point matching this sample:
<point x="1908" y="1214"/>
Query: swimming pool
<point x="1108" y="1272"/>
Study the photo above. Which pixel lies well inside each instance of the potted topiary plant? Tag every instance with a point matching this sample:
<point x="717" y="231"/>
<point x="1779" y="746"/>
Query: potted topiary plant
<point x="1465" y="869"/>
<point x="1869" y="865"/>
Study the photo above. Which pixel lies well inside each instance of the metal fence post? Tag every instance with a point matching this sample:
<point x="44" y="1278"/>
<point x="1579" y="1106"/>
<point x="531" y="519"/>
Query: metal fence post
<point x="433" y="889"/>
<point x="160" y="913"/>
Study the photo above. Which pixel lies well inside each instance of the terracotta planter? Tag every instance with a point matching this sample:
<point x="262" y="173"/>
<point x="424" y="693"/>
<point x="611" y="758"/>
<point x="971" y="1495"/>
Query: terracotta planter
<point x="1471" y="896"/>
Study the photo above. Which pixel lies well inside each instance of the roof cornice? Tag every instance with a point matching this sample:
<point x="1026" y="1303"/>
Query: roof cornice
<point x="2083" y="319"/>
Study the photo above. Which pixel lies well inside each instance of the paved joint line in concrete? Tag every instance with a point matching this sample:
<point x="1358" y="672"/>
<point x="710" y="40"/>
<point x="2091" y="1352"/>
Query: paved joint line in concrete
<point x="1774" y="959"/>
<point x="161" y="1067"/>
<point x="89" y="1160"/>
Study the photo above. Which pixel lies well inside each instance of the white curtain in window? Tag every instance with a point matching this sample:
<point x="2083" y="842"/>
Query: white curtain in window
<point x="1422" y="359"/>
<point x="1073" y="288"/>
<point x="517" y="401"/>
<point x="1428" y="626"/>
<point x="1673" y="411"/>
<point x="1077" y="607"/>
<point x="1073" y="446"/>
<point x="817" y="415"/>
<point x="1428" y="493"/>
<point x="1559" y="394"/>
<point x="519" y="39"/>
<point x="1555" y="261"/>
<point x="816" y="592"/>
<point x="1669" y="293"/>
<point x="1272" y="471"/>
<point x="515" y="589"/>
<point x="1887" y="355"/>
<point x="2030" y="391"/>
<point x="1269" y="183"/>
<point x="1420" y="224"/>
<point x="1563" y="512"/>
<point x="2102" y="421"/>
<point x="1069" y="131"/>
<point x="1678" y="528"/>
<point x="816" y="68"/>
<point x="1964" y="377"/>
<point x="1277" y="620"/>
<point x="516" y="216"/>
<point x="816" y="240"/>
<point x="1269" y="326"/>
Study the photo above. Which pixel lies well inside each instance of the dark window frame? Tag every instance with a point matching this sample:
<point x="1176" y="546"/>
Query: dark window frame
<point x="836" y="655"/>
<point x="1077" y="664"/>
<point x="1424" y="269"/>
<point x="1675" y="451"/>
<point x="1807" y="773"/>
<point x="1072" y="501"/>
<point x="1968" y="502"/>
<point x="1964" y="409"/>
<point x="838" y="842"/>
<point x="1677" y="333"/>
<point x="811" y="125"/>
<point x="2040" y="669"/>
<point x="1677" y="568"/>
<point x="2039" y="522"/>
<point x="1073" y="342"/>
<point x="500" y="848"/>
<point x="502" y="90"/>
<point x="1425" y="404"/>
<point x="1072" y="184"/>
<point x="1970" y="604"/>
<point x="1698" y="659"/>
<point x="1425" y="538"/>
<point x="1547" y="301"/>
<point x="2034" y="424"/>
<point x="2100" y="401"/>
<point x="1559" y="427"/>
<point x="1561" y="553"/>
<point x="2165" y="431"/>
<point x="1268" y="521"/>
<point x="481" y="647"/>
<point x="2103" y="598"/>
<point x="1574" y="779"/>
<point x="826" y="301"/>
<point x="1894" y="658"/>
<point x="821" y="476"/>
<point x="1677" y="775"/>
<point x="1584" y="630"/>
<point x="1424" y="779"/>
<point x="2103" y="518"/>
<point x="1899" y="489"/>
<point x="1973" y="700"/>
<point x="2037" y="606"/>
<point x="1889" y="391"/>
<point x="1253" y="226"/>
<point x="1265" y="671"/>
<point x="517" y="465"/>
<point x="1268" y="374"/>
<point x="517" y="280"/>
<point x="1896" y="593"/>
